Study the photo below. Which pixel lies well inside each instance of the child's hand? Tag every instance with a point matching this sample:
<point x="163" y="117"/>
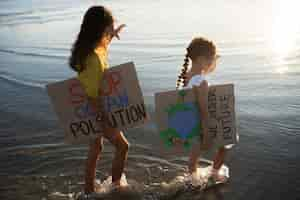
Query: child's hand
<point x="117" y="31"/>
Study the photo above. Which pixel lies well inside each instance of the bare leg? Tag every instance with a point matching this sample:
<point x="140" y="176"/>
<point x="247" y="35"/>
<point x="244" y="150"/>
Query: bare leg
<point x="95" y="148"/>
<point x="117" y="138"/>
<point x="219" y="158"/>
<point x="193" y="158"/>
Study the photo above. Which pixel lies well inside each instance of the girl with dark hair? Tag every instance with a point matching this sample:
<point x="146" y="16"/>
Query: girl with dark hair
<point x="202" y="53"/>
<point x="89" y="59"/>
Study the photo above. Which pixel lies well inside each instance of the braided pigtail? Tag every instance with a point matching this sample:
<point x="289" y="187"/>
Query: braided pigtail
<point x="181" y="81"/>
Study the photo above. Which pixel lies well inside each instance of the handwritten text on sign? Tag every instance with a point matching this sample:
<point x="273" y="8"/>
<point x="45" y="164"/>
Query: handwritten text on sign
<point x="221" y="115"/>
<point x="121" y="98"/>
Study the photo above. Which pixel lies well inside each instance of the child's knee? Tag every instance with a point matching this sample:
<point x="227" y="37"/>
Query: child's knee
<point x="221" y="151"/>
<point x="124" y="147"/>
<point x="100" y="148"/>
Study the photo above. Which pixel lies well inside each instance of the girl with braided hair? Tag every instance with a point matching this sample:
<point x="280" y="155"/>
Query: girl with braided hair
<point x="202" y="54"/>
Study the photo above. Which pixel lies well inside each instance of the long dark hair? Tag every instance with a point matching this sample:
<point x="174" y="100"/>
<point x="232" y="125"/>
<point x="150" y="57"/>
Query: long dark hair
<point x="94" y="23"/>
<point x="199" y="46"/>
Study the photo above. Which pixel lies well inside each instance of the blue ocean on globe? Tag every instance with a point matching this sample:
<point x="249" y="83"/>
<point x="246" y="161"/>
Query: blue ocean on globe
<point x="184" y="121"/>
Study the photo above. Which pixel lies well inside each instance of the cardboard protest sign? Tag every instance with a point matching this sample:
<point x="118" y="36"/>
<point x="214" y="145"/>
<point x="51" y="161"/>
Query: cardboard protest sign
<point x="179" y="120"/>
<point x="121" y="97"/>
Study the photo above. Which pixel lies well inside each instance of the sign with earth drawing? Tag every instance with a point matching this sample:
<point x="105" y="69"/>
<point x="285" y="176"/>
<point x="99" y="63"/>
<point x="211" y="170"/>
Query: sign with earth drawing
<point x="179" y="120"/>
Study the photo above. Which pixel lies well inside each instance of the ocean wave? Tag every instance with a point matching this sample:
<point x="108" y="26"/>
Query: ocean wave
<point x="32" y="54"/>
<point x="34" y="20"/>
<point x="13" y="80"/>
<point x="37" y="16"/>
<point x="16" y="13"/>
<point x="48" y="48"/>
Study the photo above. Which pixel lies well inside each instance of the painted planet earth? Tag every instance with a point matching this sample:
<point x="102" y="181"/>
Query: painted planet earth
<point x="184" y="121"/>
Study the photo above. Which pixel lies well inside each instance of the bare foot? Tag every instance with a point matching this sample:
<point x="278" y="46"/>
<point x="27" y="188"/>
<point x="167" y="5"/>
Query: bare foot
<point x="217" y="176"/>
<point x="98" y="187"/>
<point x="120" y="183"/>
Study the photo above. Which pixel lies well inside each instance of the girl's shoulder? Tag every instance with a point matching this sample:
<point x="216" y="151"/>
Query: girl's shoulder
<point x="90" y="60"/>
<point x="101" y="55"/>
<point x="94" y="60"/>
<point x="196" y="80"/>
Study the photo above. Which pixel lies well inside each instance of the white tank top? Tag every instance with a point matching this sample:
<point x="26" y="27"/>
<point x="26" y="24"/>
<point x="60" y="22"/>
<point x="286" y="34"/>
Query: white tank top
<point x="196" y="80"/>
